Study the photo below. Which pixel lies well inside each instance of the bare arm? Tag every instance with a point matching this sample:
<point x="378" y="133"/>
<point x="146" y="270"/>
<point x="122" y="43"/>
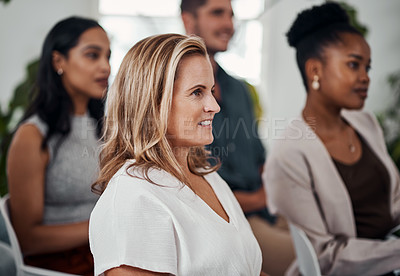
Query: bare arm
<point x="252" y="201"/>
<point x="26" y="167"/>
<point x="125" y="270"/>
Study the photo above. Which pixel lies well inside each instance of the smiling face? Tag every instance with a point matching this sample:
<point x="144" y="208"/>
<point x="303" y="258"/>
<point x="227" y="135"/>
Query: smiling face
<point x="344" y="76"/>
<point x="193" y="104"/>
<point x="214" y="23"/>
<point x="86" y="68"/>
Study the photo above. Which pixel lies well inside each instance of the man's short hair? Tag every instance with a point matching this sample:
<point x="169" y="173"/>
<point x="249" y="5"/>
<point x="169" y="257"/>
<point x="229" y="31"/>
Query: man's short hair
<point x="191" y="6"/>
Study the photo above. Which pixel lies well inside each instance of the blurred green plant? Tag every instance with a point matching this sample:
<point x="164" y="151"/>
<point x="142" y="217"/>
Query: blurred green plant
<point x="9" y="118"/>
<point x="5" y="1"/>
<point x="390" y="119"/>
<point x="258" y="112"/>
<point x="352" y="13"/>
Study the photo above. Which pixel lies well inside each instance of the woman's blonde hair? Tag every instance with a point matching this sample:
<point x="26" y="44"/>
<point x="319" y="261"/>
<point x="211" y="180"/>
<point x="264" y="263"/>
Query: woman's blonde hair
<point x="138" y="106"/>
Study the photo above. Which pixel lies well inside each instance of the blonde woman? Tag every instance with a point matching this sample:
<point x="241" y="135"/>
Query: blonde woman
<point x="163" y="208"/>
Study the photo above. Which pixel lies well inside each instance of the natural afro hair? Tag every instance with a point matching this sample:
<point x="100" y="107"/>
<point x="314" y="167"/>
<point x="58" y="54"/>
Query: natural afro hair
<point x="318" y="17"/>
<point x="316" y="28"/>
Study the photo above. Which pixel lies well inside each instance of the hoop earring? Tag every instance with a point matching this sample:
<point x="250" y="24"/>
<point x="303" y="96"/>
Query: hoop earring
<point x="315" y="83"/>
<point x="60" y="71"/>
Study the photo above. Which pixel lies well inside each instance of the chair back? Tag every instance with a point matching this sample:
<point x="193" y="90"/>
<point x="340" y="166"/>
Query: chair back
<point x="7" y="263"/>
<point x="10" y="231"/>
<point x="306" y="257"/>
<point x="22" y="269"/>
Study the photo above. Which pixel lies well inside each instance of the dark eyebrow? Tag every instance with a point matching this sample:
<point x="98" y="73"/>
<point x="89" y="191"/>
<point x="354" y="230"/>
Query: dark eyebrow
<point x="217" y="10"/>
<point x="358" y="57"/>
<point x="93" y="47"/>
<point x="220" y="11"/>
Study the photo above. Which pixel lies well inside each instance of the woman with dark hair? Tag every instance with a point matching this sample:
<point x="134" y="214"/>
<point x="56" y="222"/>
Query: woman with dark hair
<point x="331" y="174"/>
<point x="53" y="158"/>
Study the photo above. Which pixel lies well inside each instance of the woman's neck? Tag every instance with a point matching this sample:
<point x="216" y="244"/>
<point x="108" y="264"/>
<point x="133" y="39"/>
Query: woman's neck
<point x="323" y="118"/>
<point x="80" y="105"/>
<point x="80" y="102"/>
<point x="181" y="155"/>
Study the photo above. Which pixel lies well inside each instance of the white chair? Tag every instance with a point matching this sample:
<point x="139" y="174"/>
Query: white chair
<point x="7" y="263"/>
<point x="22" y="269"/>
<point x="306" y="257"/>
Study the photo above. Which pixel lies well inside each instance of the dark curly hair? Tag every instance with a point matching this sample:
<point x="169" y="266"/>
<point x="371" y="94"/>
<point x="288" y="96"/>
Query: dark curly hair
<point x="316" y="28"/>
<point x="49" y="99"/>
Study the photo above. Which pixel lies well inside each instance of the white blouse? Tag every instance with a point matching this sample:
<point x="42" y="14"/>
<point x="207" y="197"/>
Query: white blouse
<point x="168" y="228"/>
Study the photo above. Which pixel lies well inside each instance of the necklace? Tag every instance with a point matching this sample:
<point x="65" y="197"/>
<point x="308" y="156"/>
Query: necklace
<point x="352" y="147"/>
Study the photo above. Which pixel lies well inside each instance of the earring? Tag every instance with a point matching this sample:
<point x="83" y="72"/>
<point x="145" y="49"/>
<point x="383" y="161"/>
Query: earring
<point x="315" y="83"/>
<point x="60" y="71"/>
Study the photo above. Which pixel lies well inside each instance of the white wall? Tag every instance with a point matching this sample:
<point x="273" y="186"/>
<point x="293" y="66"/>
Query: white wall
<point x="283" y="93"/>
<point x="382" y="19"/>
<point x="24" y="24"/>
<point x="23" y="27"/>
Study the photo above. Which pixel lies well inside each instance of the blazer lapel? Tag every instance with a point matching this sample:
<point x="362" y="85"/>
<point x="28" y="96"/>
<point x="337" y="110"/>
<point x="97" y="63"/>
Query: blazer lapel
<point x="335" y="199"/>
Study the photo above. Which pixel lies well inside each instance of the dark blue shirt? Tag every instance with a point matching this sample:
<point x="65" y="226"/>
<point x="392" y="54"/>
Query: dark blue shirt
<point x="236" y="140"/>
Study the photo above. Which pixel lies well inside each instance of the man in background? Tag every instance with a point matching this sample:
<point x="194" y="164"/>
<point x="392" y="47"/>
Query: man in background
<point x="236" y="142"/>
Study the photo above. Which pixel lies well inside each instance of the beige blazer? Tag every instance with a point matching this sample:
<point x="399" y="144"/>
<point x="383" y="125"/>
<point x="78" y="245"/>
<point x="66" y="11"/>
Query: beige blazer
<point x="303" y="185"/>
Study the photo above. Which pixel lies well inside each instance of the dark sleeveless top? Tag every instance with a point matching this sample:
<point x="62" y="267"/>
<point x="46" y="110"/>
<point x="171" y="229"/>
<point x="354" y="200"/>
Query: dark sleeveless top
<point x="368" y="184"/>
